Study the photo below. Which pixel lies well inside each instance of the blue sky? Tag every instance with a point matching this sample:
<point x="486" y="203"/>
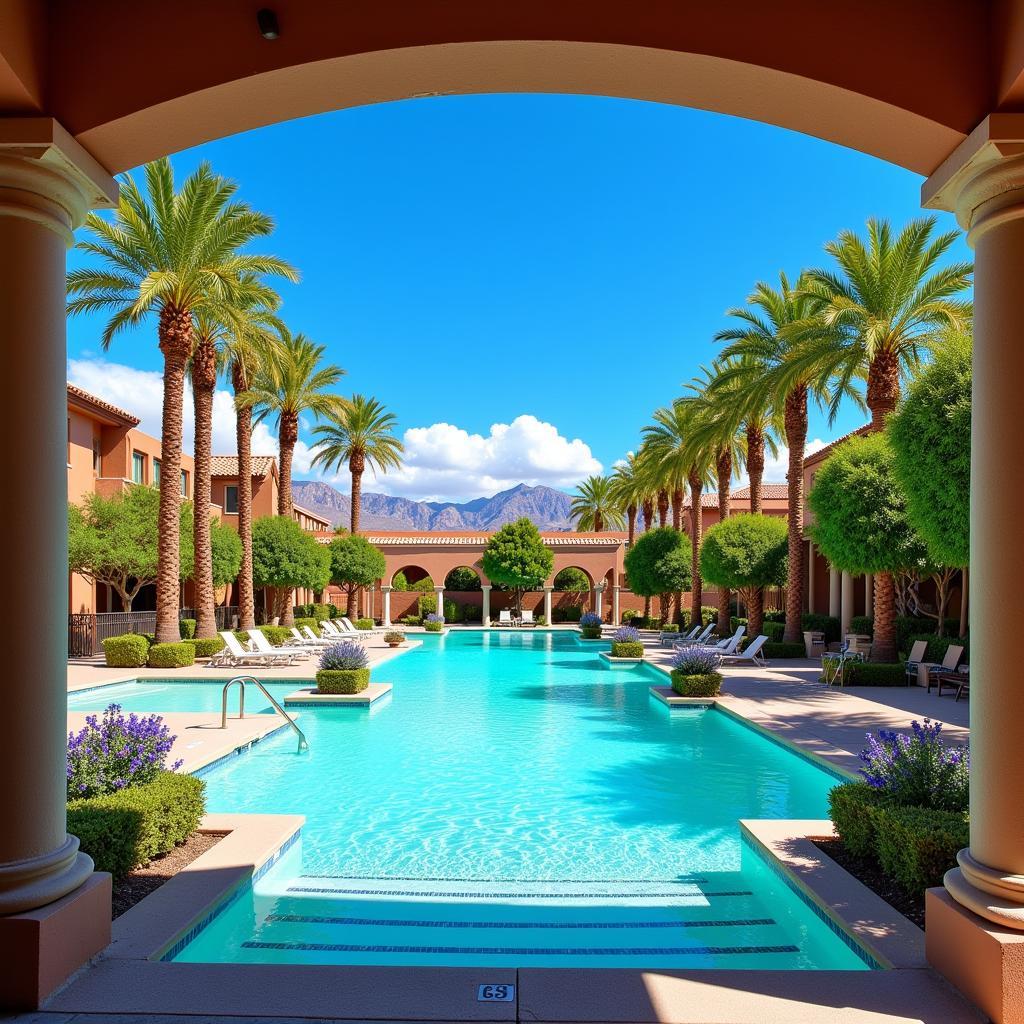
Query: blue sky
<point x="556" y="266"/>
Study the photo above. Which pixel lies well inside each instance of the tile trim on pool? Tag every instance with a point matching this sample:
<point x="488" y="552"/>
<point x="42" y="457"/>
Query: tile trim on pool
<point x="651" y="951"/>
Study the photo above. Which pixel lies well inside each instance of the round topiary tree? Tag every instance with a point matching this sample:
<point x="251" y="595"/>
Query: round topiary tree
<point x="658" y="564"/>
<point x="931" y="442"/>
<point x="285" y="557"/>
<point x="861" y="526"/>
<point x="355" y="563"/>
<point x="517" y="557"/>
<point x="572" y="580"/>
<point x="747" y="553"/>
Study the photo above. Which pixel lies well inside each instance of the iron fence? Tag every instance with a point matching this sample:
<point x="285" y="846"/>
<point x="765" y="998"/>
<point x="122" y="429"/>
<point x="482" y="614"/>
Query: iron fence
<point x="88" y="630"/>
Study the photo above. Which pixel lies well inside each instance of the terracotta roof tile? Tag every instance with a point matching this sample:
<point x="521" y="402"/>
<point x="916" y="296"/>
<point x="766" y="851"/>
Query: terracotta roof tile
<point x="84" y="396"/>
<point x="227" y="465"/>
<point x="823" y="453"/>
<point x="477" y="539"/>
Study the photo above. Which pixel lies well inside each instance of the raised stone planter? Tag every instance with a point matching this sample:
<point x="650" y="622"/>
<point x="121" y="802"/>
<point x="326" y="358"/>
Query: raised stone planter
<point x="311" y="697"/>
<point x="612" y="662"/>
<point x="668" y="696"/>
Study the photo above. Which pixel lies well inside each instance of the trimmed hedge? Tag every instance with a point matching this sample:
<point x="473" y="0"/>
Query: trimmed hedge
<point x="867" y="673"/>
<point x="179" y="655"/>
<point x="914" y="846"/>
<point x="827" y="624"/>
<point x="697" y="686"/>
<point x="128" y="651"/>
<point x="772" y="629"/>
<point x="342" y="680"/>
<point x="783" y="650"/>
<point x="187" y="628"/>
<point x="628" y="649"/>
<point x="862" y="624"/>
<point x="314" y="624"/>
<point x="433" y="626"/>
<point x="277" y="635"/>
<point x="125" y="830"/>
<point x="590" y="632"/>
<point x="206" y="647"/>
<point x="937" y="646"/>
<point x="363" y="623"/>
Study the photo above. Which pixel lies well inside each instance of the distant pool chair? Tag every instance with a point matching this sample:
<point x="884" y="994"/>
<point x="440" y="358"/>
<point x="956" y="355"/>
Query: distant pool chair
<point x="914" y="659"/>
<point x="670" y="638"/>
<point x="526" y="618"/>
<point x="751" y="654"/>
<point x="954" y="652"/>
<point x="728" y="647"/>
<point x="288" y="655"/>
<point x="505" y="617"/>
<point x="700" y="639"/>
<point x="235" y="654"/>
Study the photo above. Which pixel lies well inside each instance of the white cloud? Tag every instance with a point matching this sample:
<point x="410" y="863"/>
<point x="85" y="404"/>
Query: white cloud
<point x="775" y="469"/>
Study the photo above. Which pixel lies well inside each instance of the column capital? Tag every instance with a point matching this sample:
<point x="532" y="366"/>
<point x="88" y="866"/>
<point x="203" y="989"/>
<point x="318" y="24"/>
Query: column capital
<point x="49" y="178"/>
<point x="438" y="590"/>
<point x="486" y="586"/>
<point x="385" y="589"/>
<point x="982" y="180"/>
<point x="548" y="590"/>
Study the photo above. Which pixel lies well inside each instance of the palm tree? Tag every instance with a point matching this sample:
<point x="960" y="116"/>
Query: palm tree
<point x="359" y="433"/>
<point x="595" y="505"/>
<point x="769" y="374"/>
<point x="168" y="254"/>
<point x="629" y="492"/>
<point x="291" y="382"/>
<point x="882" y="305"/>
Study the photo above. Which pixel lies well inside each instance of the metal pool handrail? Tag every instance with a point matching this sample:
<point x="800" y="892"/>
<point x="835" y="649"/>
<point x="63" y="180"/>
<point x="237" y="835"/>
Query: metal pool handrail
<point x="242" y="680"/>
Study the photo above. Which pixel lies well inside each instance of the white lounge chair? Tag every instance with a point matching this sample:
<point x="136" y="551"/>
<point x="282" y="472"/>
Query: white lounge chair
<point x="333" y="633"/>
<point x="505" y="617"/>
<point x="346" y="626"/>
<point x="526" y="618"/>
<point x="671" y="639"/>
<point x="728" y="646"/>
<point x="308" y="636"/>
<point x="701" y="639"/>
<point x="235" y="654"/>
<point x="752" y="653"/>
<point x="287" y="655"/>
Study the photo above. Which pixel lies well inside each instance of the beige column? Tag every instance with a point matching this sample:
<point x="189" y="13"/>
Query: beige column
<point x="386" y="615"/>
<point x="833" y="592"/>
<point x="47" y="183"/>
<point x="439" y="591"/>
<point x="810" y="576"/>
<point x="846" y="605"/>
<point x="486" y="590"/>
<point x="598" y="595"/>
<point x="547" y="604"/>
<point x="615" y="604"/>
<point x="984" y="183"/>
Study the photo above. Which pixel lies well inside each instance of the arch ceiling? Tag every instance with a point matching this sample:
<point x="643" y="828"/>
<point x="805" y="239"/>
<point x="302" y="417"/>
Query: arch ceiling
<point x="904" y="81"/>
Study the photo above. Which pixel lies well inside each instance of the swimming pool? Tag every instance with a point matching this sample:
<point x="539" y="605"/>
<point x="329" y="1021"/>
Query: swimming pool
<point x="513" y="800"/>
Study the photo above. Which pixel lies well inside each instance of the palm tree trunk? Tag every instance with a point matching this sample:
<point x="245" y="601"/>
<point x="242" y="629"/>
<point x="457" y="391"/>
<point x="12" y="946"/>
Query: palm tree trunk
<point x="631" y="523"/>
<point x="723" y="471"/>
<point x="796" y="438"/>
<point x="963" y="601"/>
<point x="648" y="507"/>
<point x="288" y="435"/>
<point x="755" y="465"/>
<point x="662" y="507"/>
<point x="243" y="441"/>
<point x="883" y="391"/>
<point x="204" y="383"/>
<point x="598" y="521"/>
<point x="755" y="612"/>
<point x="883" y="646"/>
<point x="356" y="465"/>
<point x="696" y="529"/>
<point x="677" y="508"/>
<point x="176" y="345"/>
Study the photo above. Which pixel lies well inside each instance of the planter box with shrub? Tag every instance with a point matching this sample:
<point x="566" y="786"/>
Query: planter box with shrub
<point x="179" y="655"/>
<point x="695" y="673"/>
<point x="433" y="623"/>
<point x="343" y="669"/>
<point x="128" y="651"/>
<point x="626" y="643"/>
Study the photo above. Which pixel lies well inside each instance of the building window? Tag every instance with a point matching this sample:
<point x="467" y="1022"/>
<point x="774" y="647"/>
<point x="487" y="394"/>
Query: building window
<point x="231" y="499"/>
<point x="69" y="440"/>
<point x="156" y="472"/>
<point x="184" y="483"/>
<point x="96" y="460"/>
<point x="138" y="468"/>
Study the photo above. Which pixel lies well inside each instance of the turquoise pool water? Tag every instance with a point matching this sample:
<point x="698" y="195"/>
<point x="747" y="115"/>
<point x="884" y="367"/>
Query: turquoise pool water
<point x="513" y="801"/>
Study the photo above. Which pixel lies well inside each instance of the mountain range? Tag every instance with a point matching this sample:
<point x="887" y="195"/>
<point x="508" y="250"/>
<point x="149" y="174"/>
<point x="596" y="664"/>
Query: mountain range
<point x="545" y="506"/>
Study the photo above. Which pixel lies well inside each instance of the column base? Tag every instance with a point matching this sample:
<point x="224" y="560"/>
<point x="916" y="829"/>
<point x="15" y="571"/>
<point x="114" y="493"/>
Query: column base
<point x="40" y="949"/>
<point x="984" y="961"/>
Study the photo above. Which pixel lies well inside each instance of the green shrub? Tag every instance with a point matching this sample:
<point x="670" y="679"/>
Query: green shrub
<point x="827" y="624"/>
<point x="937" y="646"/>
<point x="452" y="611"/>
<point x="187" y="628"/>
<point x="542" y="620"/>
<point x="426" y="605"/>
<point x="697" y="686"/>
<point x="125" y="830"/>
<point x="916" y="846"/>
<point x="569" y="613"/>
<point x="363" y="623"/>
<point x="868" y="673"/>
<point x="775" y="617"/>
<point x="910" y="628"/>
<point x="433" y="625"/>
<point x="591" y="632"/>
<point x="778" y="649"/>
<point x="863" y="624"/>
<point x="629" y="615"/>
<point x="472" y="613"/>
<point x="853" y="808"/>
<point x="628" y="649"/>
<point x="342" y="680"/>
<point x="127" y="651"/>
<point x="670" y="627"/>
<point x="314" y="624"/>
<point x="277" y="635"/>
<point x="179" y="655"/>
<point x="411" y="620"/>
<point x="206" y="647"/>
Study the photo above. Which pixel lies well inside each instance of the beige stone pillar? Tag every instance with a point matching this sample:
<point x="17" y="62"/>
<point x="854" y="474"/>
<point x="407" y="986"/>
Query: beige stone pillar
<point x="547" y="604"/>
<point x="984" y="183"/>
<point x="846" y="605"/>
<point x="439" y="592"/>
<point x="47" y="183"/>
<point x="386" y="614"/>
<point x="833" y="592"/>
<point x="598" y="595"/>
<point x="810" y="576"/>
<point x="615" y="604"/>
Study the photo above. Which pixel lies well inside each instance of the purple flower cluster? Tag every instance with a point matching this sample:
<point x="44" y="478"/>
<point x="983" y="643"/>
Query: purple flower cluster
<point x="110" y="754"/>
<point x="434" y="617"/>
<point x="626" y="635"/>
<point x="696" y="661"/>
<point x="590" y="619"/>
<point x="918" y="770"/>
<point x="347" y="654"/>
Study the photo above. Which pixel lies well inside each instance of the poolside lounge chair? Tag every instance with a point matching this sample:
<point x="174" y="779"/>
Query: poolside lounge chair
<point x="700" y="639"/>
<point x="235" y="654"/>
<point x="954" y="652"/>
<point x="287" y="655"/>
<point x="752" y="653"/>
<point x="310" y="641"/>
<point x="671" y="639"/>
<point x="333" y="633"/>
<point x="505" y="617"/>
<point x="345" y="625"/>
<point x="527" y="619"/>
<point x="914" y="659"/>
<point x="729" y="645"/>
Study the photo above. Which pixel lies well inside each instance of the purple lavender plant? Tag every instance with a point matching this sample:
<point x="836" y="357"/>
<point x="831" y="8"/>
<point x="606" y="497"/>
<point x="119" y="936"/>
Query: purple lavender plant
<point x="346" y="654"/>
<point x="696" y="661"/>
<point x="110" y="754"/>
<point x="918" y="770"/>
<point x="434" y="617"/>
<point x="626" y="635"/>
<point x="590" y="619"/>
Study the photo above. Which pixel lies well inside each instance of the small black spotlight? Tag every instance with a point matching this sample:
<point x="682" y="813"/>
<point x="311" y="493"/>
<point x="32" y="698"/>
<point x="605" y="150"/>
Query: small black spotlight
<point x="267" y="21"/>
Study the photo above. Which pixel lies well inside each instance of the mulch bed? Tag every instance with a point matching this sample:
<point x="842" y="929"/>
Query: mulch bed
<point x="142" y="881"/>
<point x="871" y="875"/>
